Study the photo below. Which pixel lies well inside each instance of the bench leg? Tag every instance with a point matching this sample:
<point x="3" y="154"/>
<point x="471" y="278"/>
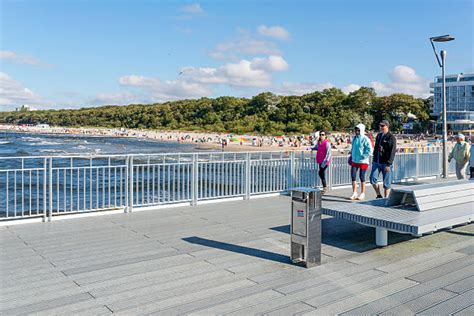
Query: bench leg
<point x="381" y="236"/>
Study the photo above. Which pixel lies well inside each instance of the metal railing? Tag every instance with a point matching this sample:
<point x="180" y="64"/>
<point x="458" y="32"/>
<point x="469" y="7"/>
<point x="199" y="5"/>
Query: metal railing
<point x="52" y="185"/>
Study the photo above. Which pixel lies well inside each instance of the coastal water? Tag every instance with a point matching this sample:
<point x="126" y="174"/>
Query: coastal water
<point x="28" y="144"/>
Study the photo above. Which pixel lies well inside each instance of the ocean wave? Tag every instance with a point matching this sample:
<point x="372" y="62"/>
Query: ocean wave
<point x="45" y="142"/>
<point x="52" y="151"/>
<point x="4" y="142"/>
<point x="32" y="139"/>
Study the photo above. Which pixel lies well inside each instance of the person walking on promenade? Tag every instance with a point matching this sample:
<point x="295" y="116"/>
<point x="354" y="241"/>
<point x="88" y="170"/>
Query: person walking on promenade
<point x="384" y="154"/>
<point x="360" y="154"/>
<point x="460" y="154"/>
<point x="471" y="159"/>
<point x="323" y="158"/>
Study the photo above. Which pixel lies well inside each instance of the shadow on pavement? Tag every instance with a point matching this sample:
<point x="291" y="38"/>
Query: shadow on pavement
<point x="239" y="249"/>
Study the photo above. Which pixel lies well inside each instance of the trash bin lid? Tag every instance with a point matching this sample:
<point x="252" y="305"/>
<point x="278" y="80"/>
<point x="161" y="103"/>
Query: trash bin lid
<point x="304" y="189"/>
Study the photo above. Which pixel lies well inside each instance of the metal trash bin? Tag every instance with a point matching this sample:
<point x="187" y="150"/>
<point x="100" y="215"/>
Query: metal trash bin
<point x="306" y="226"/>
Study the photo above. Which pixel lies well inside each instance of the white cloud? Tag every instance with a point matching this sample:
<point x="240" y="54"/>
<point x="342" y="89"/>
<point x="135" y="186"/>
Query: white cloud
<point x="404" y="79"/>
<point x="245" y="45"/>
<point x="245" y="73"/>
<point x="21" y="59"/>
<point x="350" y="88"/>
<point x="14" y="94"/>
<point x="277" y="32"/>
<point x="165" y="90"/>
<point x="193" y="9"/>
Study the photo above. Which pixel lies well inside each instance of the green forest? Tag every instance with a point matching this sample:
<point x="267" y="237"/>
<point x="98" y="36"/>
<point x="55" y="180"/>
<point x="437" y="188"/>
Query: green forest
<point x="265" y="113"/>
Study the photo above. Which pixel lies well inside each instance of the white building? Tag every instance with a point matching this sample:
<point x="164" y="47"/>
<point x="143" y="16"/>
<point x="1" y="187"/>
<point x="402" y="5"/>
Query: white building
<point x="459" y="101"/>
<point x="26" y="108"/>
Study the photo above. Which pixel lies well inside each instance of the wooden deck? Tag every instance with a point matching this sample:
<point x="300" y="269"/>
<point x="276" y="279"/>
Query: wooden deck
<point x="228" y="258"/>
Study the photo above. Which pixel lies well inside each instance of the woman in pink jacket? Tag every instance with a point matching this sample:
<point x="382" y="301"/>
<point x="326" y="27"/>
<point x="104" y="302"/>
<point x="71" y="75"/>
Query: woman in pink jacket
<point x="323" y="158"/>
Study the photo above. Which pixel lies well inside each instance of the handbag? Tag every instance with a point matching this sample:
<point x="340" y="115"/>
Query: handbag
<point x="349" y="160"/>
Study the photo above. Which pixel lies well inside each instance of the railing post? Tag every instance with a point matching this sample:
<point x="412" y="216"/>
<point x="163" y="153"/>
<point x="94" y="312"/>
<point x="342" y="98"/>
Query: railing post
<point x="45" y="194"/>
<point x="247" y="176"/>
<point x="130" y="185"/>
<point x="50" y="185"/>
<point x="194" y="180"/>
<point x="127" y="180"/>
<point x="330" y="174"/>
<point x="292" y="170"/>
<point x="417" y="164"/>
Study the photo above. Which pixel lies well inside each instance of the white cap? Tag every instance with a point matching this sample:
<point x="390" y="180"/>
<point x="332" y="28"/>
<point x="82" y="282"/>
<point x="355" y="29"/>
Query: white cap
<point x="460" y="136"/>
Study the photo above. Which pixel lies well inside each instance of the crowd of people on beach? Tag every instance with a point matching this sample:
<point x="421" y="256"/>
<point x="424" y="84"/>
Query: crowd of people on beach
<point x="382" y="149"/>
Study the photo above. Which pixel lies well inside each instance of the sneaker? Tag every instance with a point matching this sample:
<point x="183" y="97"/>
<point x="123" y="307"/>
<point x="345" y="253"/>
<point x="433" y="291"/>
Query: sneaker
<point x="379" y="197"/>
<point x="353" y="196"/>
<point x="325" y="190"/>
<point x="361" y="196"/>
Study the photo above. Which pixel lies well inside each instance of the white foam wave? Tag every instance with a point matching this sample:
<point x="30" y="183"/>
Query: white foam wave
<point x="4" y="142"/>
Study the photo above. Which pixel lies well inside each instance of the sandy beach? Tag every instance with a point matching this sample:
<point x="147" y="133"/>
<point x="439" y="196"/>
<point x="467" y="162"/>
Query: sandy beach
<point x="228" y="142"/>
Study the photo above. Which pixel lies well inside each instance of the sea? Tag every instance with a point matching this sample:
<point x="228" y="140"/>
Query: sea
<point x="29" y="144"/>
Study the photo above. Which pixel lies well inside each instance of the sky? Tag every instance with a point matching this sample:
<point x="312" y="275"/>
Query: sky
<point x="70" y="54"/>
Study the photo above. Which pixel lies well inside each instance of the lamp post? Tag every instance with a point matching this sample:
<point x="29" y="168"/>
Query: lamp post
<point x="442" y="63"/>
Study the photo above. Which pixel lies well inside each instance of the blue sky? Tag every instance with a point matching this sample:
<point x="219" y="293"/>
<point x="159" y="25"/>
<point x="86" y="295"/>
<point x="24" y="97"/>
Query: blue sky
<point x="70" y="54"/>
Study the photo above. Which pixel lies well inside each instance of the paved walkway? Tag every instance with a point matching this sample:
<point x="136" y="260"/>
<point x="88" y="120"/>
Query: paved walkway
<point x="228" y="258"/>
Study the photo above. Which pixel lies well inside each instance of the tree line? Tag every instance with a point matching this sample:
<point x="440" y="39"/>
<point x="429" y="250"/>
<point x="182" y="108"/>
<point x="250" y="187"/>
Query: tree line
<point x="265" y="113"/>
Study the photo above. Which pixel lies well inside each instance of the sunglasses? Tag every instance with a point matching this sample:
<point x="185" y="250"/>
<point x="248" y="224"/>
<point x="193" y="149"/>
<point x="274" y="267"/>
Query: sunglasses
<point x="382" y="125"/>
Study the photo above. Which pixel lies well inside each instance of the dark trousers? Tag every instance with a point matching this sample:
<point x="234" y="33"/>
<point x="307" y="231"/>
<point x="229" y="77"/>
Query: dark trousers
<point x="471" y="169"/>
<point x="322" y="175"/>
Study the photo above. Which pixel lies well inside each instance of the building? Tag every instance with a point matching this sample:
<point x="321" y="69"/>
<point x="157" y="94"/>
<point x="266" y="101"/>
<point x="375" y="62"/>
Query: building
<point x="25" y="108"/>
<point x="459" y="102"/>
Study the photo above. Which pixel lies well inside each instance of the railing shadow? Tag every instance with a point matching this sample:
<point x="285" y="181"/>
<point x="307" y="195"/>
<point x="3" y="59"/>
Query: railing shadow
<point x="263" y="254"/>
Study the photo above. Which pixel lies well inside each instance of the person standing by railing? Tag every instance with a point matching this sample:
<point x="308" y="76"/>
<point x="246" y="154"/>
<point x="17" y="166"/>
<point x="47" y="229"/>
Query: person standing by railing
<point x="360" y="154"/>
<point x="460" y="154"/>
<point x="323" y="158"/>
<point x="384" y="155"/>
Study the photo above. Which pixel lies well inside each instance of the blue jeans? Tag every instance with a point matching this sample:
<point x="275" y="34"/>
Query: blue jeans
<point x="387" y="176"/>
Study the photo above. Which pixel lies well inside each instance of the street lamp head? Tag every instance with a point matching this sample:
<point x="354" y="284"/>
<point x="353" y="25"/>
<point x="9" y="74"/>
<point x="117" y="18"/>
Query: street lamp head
<point x="442" y="38"/>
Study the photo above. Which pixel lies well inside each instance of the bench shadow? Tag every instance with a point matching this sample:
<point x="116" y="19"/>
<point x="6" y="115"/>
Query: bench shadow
<point x="263" y="254"/>
<point x="348" y="235"/>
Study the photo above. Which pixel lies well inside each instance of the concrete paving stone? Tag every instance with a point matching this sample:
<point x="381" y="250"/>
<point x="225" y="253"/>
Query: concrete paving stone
<point x="99" y="310"/>
<point x="159" y="275"/>
<point x="236" y="304"/>
<point x="442" y="269"/>
<point x="34" y="293"/>
<point x="365" y="297"/>
<point x="451" y="306"/>
<point x="292" y="309"/>
<point x="108" y="251"/>
<point x="337" y="266"/>
<point x="154" y="286"/>
<point x="317" y="281"/>
<point x="421" y="259"/>
<point x="44" y="305"/>
<point x="468" y="250"/>
<point x="132" y="269"/>
<point x="116" y="260"/>
<point x="131" y="299"/>
<point x="421" y="303"/>
<point x="154" y="303"/>
<point x="20" y="289"/>
<point x="411" y="293"/>
<point x="121" y="262"/>
<point x="36" y="272"/>
<point x="461" y="286"/>
<point x="468" y="311"/>
<point x="360" y="288"/>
